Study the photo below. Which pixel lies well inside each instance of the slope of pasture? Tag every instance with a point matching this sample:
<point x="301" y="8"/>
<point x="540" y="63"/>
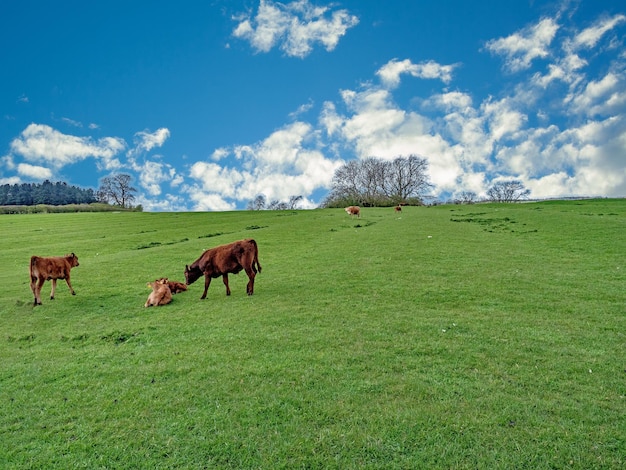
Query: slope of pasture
<point x="484" y="336"/>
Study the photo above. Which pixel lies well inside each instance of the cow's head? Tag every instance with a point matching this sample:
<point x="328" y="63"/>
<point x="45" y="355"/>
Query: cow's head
<point x="73" y="259"/>
<point x="192" y="274"/>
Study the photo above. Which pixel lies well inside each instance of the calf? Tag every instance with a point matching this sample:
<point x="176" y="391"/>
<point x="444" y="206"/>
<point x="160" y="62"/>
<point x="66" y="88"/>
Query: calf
<point x="224" y="260"/>
<point x="353" y="210"/>
<point x="160" y="294"/>
<point x="50" y="269"/>
<point x="398" y="208"/>
<point x="175" y="286"/>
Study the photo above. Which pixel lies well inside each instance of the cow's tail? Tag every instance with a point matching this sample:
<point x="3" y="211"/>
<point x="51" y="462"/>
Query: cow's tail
<point x="256" y="266"/>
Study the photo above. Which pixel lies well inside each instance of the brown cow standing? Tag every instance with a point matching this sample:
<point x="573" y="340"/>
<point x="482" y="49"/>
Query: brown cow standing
<point x="398" y="208"/>
<point x="353" y="210"/>
<point x="223" y="260"/>
<point x="160" y="294"/>
<point x="50" y="269"/>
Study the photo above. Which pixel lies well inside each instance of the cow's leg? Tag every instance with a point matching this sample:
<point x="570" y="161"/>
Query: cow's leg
<point x="54" y="288"/>
<point x="67" y="279"/>
<point x="207" y="283"/>
<point x="250" y="287"/>
<point x="34" y="286"/>
<point x="225" y="279"/>
<point x="38" y="293"/>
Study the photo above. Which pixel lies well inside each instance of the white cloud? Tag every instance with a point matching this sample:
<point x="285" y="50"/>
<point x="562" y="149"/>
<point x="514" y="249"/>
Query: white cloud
<point x="209" y="201"/>
<point x="600" y="97"/>
<point x="565" y="69"/>
<point x="72" y="122"/>
<point x="42" y="143"/>
<point x="295" y="27"/>
<point x="391" y="71"/>
<point x="166" y="203"/>
<point x="285" y="164"/>
<point x="218" y="154"/>
<point x="589" y="37"/>
<point x="522" y="47"/>
<point x="152" y="174"/>
<point x="282" y="147"/>
<point x="10" y="180"/>
<point x="146" y="141"/>
<point x="214" y="178"/>
<point x="34" y="172"/>
<point x="502" y="117"/>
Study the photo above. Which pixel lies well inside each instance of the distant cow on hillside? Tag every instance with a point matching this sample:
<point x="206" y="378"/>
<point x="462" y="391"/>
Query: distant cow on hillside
<point x="160" y="295"/>
<point x="398" y="208"/>
<point x="224" y="260"/>
<point x="50" y="269"/>
<point x="353" y="210"/>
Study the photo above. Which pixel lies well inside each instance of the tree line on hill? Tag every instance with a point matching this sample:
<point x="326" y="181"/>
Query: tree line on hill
<point x="57" y="194"/>
<point x="115" y="191"/>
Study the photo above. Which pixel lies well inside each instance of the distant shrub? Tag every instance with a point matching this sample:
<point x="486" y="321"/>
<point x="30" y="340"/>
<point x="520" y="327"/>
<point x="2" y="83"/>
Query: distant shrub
<point x="67" y="208"/>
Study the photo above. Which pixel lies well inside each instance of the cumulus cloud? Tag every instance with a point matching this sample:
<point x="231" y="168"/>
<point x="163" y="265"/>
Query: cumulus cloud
<point x="589" y="37"/>
<point x="390" y="73"/>
<point x="601" y="96"/>
<point x="152" y="174"/>
<point x="521" y="48"/>
<point x="42" y="143"/>
<point x="34" y="172"/>
<point x="294" y="27"/>
<point x="146" y="141"/>
<point x="11" y="180"/>
<point x="287" y="163"/>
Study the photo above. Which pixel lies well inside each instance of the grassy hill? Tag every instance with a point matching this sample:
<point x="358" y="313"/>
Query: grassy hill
<point x="482" y="336"/>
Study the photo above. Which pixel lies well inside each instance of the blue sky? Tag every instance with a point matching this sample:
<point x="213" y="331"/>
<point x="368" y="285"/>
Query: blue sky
<point x="208" y="104"/>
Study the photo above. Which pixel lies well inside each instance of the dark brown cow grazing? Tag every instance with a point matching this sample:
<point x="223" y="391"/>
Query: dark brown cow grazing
<point x="175" y="286"/>
<point x="50" y="269"/>
<point x="224" y="260"/>
<point x="160" y="295"/>
<point x="353" y="210"/>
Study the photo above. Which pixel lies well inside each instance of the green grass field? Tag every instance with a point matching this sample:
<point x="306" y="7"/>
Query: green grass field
<point x="480" y="336"/>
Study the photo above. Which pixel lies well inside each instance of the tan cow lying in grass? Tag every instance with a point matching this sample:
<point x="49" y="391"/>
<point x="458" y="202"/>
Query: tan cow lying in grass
<point x="160" y="295"/>
<point x="353" y="210"/>
<point x="175" y="286"/>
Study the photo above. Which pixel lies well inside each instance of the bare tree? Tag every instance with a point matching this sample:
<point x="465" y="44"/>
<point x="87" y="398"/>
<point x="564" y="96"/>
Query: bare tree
<point x="346" y="180"/>
<point x="378" y="182"/>
<point x="466" y="197"/>
<point x="406" y="177"/>
<point x="507" y="191"/>
<point x="293" y="202"/>
<point x="277" y="205"/>
<point x="371" y="177"/>
<point x="258" y="204"/>
<point x="117" y="189"/>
